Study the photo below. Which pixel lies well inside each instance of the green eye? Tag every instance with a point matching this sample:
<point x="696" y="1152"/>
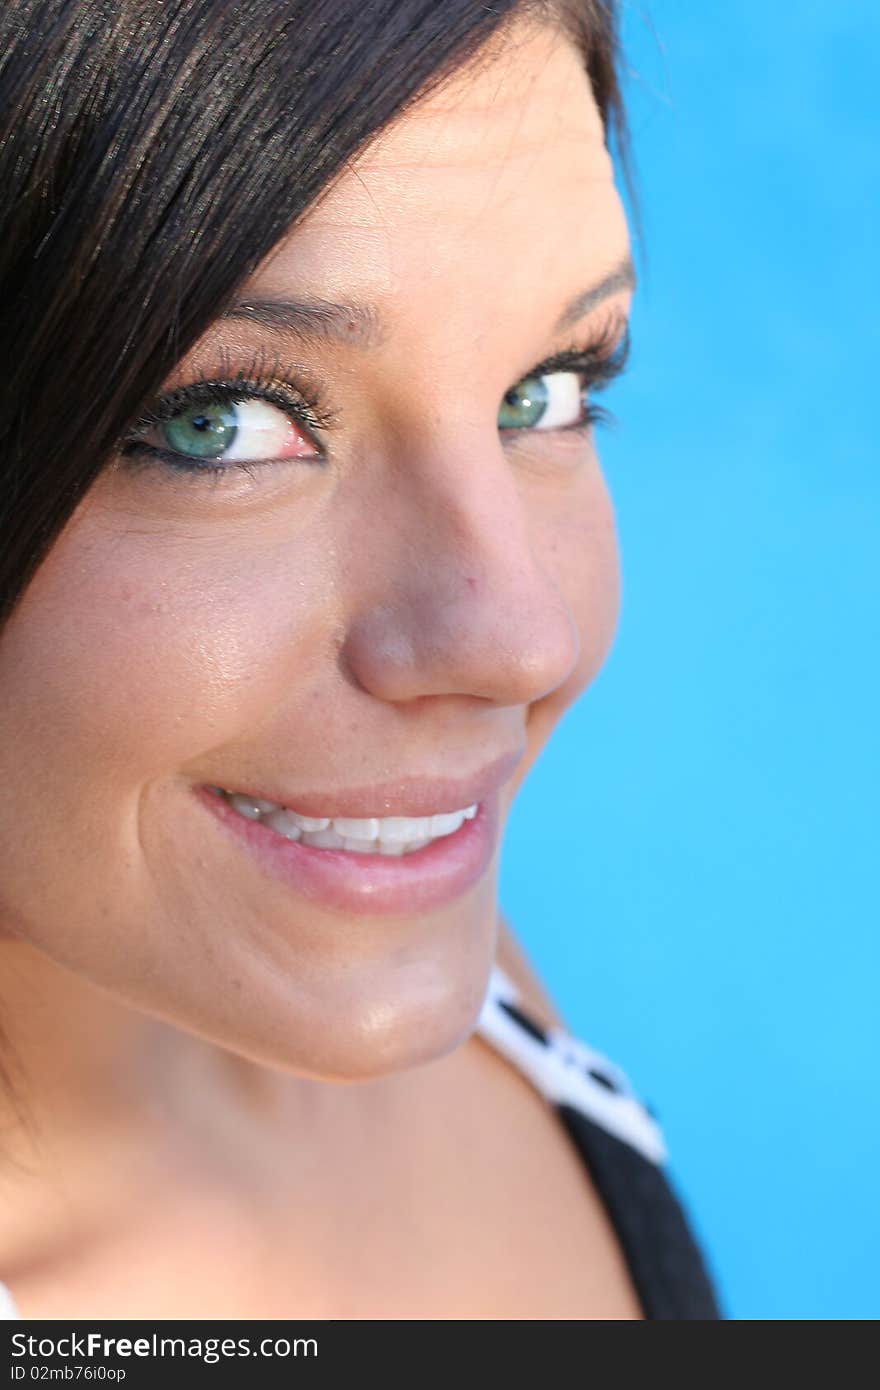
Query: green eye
<point x="524" y="404"/>
<point x="200" y="432"/>
<point x="545" y="401"/>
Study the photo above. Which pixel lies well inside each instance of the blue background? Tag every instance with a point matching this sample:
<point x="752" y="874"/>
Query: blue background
<point x="706" y="818"/>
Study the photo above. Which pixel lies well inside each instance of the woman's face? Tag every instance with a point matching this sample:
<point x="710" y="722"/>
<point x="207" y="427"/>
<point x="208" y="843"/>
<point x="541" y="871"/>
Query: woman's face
<point x="385" y="620"/>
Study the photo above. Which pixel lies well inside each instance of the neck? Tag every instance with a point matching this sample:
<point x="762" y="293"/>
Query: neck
<point x="99" y="1102"/>
<point x="78" y="1059"/>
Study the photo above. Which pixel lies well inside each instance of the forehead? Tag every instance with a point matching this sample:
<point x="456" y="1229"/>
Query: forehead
<point x="503" y="169"/>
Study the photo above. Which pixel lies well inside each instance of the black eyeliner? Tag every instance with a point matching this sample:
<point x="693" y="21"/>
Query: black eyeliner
<point x="597" y="362"/>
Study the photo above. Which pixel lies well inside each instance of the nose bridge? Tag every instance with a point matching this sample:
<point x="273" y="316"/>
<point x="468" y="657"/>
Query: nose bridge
<point x="476" y="532"/>
<point x="467" y="606"/>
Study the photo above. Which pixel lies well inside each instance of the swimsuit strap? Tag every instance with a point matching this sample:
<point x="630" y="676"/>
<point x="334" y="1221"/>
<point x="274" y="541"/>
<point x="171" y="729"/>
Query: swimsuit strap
<point x="566" y="1071"/>
<point x="622" y="1147"/>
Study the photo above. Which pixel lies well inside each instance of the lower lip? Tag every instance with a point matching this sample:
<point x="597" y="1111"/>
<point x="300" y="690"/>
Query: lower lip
<point x="370" y="884"/>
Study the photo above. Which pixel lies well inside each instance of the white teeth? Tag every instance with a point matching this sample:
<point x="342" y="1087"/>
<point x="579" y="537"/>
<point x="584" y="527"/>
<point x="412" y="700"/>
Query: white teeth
<point x="400" y="830"/>
<point x="367" y="829"/>
<point x="359" y="846"/>
<point x="323" y="839"/>
<point x="310" y="822"/>
<point x="286" y="824"/>
<point x="390" y="835"/>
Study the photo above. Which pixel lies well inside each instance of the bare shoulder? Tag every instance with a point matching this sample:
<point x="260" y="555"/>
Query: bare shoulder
<point x="515" y="963"/>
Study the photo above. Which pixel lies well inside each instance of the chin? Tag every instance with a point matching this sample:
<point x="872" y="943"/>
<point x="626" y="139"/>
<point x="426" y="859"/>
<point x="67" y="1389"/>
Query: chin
<point x="379" y="1024"/>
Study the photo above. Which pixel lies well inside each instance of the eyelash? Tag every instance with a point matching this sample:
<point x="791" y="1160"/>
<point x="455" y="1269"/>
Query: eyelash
<point x="597" y="363"/>
<point x="264" y="378"/>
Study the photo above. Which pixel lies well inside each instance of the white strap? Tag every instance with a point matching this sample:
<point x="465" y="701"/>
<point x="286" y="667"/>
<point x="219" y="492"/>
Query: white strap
<point x="7" y="1304"/>
<point x="560" y="1069"/>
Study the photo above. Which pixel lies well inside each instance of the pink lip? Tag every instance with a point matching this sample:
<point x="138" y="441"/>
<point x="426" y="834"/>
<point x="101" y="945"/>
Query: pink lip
<point x="372" y="884"/>
<point x="410" y="796"/>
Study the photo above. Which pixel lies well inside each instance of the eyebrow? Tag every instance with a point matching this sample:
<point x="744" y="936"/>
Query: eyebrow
<point x="622" y="277"/>
<point x="358" y="324"/>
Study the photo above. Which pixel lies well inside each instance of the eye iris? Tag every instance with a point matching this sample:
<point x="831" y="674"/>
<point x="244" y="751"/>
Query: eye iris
<point x="523" y="404"/>
<point x="202" y="432"/>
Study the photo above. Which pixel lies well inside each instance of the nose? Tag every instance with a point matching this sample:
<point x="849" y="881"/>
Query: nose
<point x="463" y="605"/>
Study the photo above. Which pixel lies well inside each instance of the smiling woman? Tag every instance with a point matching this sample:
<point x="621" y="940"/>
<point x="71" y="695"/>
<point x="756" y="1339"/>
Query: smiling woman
<point x="306" y="550"/>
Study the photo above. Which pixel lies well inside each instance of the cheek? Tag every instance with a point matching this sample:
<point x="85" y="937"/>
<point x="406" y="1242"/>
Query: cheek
<point x="579" y="545"/>
<point x="130" y="658"/>
<point x="579" y="550"/>
<point x="124" y="662"/>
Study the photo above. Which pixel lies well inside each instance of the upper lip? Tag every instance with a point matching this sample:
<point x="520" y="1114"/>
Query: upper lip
<point x="403" y="796"/>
